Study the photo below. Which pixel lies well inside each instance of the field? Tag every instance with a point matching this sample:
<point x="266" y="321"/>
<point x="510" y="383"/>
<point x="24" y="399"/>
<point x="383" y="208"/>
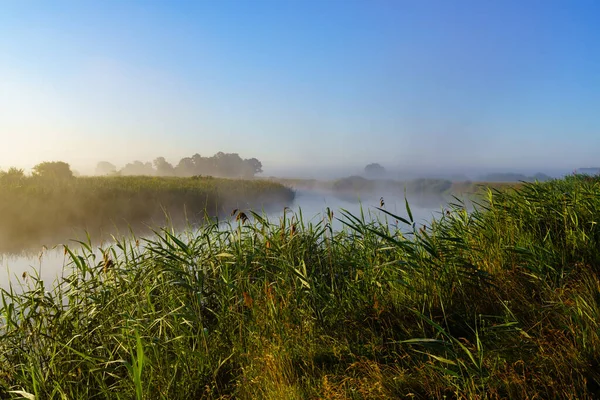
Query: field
<point x="501" y="302"/>
<point x="34" y="209"/>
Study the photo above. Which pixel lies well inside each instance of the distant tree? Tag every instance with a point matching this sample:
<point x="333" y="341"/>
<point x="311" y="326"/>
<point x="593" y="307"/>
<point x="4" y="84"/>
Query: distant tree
<point x="163" y="167"/>
<point x="198" y="161"/>
<point x="12" y="176"/>
<point x="229" y="165"/>
<point x="185" y="167"/>
<point x="253" y="167"/>
<point x="374" y="170"/>
<point x="138" y="168"/>
<point x="53" y="169"/>
<point x="105" y="168"/>
<point x="204" y="165"/>
<point x="15" y="172"/>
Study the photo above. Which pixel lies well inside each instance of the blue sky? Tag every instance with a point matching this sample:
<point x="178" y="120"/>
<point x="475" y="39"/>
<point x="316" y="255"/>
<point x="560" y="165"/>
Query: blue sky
<point x="332" y="83"/>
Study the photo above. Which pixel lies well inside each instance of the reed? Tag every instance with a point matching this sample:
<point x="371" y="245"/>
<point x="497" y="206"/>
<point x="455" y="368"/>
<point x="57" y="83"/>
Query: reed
<point x="499" y="302"/>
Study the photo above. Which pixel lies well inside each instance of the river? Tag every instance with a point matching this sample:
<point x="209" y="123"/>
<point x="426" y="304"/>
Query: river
<point x="49" y="262"/>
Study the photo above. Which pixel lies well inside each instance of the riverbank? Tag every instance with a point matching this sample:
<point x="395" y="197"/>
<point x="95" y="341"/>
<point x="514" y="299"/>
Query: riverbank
<point x="425" y="192"/>
<point x="34" y="210"/>
<point x="501" y="302"/>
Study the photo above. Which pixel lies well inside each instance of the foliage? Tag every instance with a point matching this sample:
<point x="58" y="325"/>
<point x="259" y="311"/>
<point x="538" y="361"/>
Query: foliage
<point x="34" y="210"/>
<point x="105" y="168"/>
<point x="502" y="302"/>
<point x="374" y="170"/>
<point x="12" y="177"/>
<point x="53" y="170"/>
<point x="137" y="168"/>
<point x="224" y="165"/>
<point x="163" y="167"/>
<point x="221" y="164"/>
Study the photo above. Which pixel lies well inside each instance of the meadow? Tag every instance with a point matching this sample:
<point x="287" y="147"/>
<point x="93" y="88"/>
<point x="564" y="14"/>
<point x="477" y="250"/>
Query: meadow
<point x="35" y="210"/>
<point x="499" y="302"/>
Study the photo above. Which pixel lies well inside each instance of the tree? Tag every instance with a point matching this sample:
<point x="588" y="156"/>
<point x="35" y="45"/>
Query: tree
<point x="138" y="168"/>
<point x="12" y="176"/>
<point x="229" y="165"/>
<point x="163" y="167"/>
<point x="53" y="170"/>
<point x="253" y="167"/>
<point x="374" y="170"/>
<point x="105" y="168"/>
<point x="185" y="167"/>
<point x="203" y="165"/>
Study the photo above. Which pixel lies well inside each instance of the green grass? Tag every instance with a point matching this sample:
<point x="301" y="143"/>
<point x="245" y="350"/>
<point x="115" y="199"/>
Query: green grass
<point x="34" y="210"/>
<point x="502" y="302"/>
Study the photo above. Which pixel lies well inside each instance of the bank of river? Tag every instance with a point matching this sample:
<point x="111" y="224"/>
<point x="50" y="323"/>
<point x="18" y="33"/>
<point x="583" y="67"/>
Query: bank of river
<point x="49" y="261"/>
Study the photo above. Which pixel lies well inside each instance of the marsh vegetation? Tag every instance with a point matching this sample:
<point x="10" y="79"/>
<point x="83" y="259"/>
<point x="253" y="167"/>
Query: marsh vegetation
<point x="499" y="302"/>
<point x="41" y="210"/>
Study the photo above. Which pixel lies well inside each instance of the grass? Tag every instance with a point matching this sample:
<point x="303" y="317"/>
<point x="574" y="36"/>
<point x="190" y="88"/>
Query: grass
<point x="34" y="209"/>
<point x="501" y="302"/>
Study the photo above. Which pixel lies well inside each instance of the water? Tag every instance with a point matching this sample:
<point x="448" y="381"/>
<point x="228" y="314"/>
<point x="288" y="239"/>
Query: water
<point x="50" y="262"/>
<point x="314" y="205"/>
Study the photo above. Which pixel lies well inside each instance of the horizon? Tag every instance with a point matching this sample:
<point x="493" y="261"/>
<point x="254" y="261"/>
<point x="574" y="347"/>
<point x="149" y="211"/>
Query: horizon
<point x="308" y="85"/>
<point x="391" y="172"/>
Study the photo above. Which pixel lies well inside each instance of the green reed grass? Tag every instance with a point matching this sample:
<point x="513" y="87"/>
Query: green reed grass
<point x="500" y="302"/>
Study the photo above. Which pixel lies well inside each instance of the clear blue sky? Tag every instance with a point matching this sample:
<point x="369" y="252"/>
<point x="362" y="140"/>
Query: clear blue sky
<point x="508" y="84"/>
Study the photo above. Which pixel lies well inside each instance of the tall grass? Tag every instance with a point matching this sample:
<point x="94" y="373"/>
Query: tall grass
<point x="34" y="209"/>
<point x="501" y="302"/>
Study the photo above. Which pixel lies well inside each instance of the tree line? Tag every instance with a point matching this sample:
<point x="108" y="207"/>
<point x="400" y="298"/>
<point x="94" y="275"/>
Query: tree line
<point x="226" y="165"/>
<point x="46" y="169"/>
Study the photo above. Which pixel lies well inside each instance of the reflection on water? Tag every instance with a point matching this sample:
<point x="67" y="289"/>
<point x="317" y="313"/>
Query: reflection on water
<point x="50" y="262"/>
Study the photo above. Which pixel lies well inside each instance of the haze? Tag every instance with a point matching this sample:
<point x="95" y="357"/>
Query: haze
<point x="311" y="85"/>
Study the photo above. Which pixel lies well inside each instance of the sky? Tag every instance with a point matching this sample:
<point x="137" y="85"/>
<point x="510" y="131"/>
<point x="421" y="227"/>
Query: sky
<point x="511" y="85"/>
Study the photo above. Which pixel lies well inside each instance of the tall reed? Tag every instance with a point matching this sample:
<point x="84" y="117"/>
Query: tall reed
<point x="499" y="302"/>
